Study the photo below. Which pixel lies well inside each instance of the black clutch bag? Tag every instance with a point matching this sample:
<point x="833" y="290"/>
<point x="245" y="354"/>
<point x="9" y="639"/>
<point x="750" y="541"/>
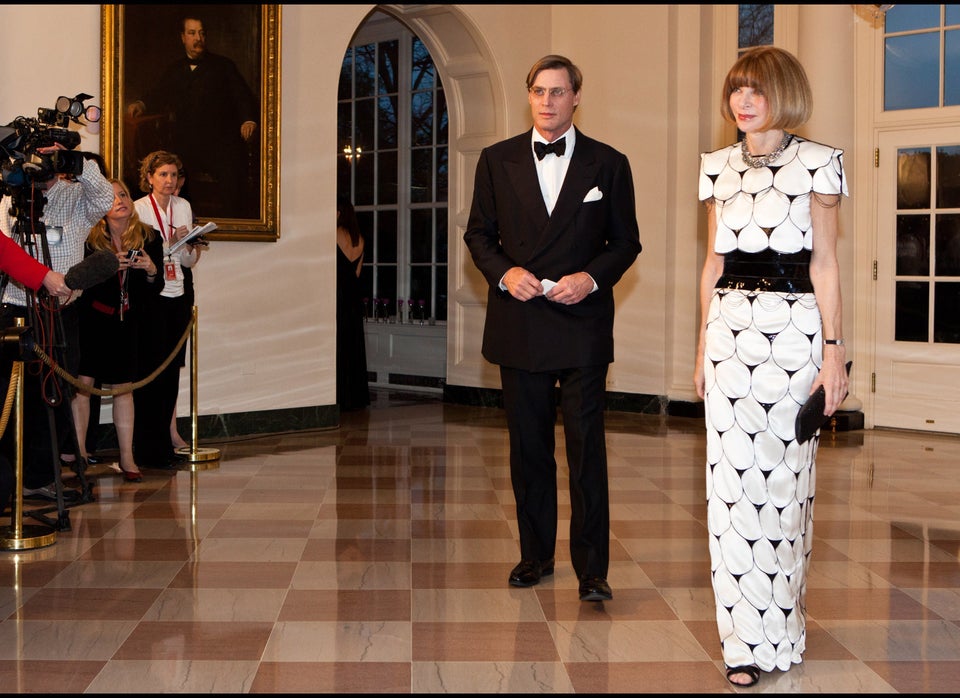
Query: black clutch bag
<point x="810" y="417"/>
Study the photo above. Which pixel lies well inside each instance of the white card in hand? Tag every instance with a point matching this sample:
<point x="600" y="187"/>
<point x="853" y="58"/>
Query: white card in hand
<point x="547" y="285"/>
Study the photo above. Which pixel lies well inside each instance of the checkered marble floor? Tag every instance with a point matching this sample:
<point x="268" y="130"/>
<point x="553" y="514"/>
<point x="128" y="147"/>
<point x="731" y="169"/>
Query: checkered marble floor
<point x="374" y="558"/>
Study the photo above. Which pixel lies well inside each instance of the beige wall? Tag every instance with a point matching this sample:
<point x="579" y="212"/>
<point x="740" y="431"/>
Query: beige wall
<point x="267" y="309"/>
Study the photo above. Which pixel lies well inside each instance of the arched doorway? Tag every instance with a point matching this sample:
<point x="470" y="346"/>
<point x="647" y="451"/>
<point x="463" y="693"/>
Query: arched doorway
<point x="447" y="350"/>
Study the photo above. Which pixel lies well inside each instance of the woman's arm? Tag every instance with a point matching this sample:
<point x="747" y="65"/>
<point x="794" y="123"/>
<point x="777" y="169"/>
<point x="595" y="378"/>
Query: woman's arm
<point x="712" y="270"/>
<point x="825" y="275"/>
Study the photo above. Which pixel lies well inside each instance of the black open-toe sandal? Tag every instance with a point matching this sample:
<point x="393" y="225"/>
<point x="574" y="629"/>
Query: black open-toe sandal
<point x="750" y="670"/>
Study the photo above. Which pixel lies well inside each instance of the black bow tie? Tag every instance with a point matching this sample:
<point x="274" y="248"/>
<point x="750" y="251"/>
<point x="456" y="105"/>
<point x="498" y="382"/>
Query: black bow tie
<point x="558" y="147"/>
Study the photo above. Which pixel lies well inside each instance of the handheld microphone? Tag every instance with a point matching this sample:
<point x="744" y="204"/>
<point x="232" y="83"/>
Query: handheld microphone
<point x="97" y="267"/>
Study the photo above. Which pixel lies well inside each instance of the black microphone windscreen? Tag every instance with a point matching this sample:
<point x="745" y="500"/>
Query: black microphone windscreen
<point x="96" y="267"/>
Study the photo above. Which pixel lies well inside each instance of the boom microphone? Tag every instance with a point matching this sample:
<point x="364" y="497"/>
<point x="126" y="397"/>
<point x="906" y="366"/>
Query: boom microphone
<point x="96" y="267"/>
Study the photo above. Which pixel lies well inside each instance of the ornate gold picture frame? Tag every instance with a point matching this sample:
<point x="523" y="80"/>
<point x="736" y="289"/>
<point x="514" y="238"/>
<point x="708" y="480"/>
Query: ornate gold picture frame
<point x="232" y="175"/>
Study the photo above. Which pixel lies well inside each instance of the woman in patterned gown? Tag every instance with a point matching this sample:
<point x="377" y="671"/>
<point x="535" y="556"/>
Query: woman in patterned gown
<point x="770" y="335"/>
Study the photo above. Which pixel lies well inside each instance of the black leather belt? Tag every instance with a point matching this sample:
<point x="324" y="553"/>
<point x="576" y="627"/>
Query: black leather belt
<point x="766" y="271"/>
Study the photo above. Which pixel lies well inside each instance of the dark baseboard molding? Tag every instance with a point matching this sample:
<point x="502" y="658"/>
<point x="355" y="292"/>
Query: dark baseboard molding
<point x="227" y="426"/>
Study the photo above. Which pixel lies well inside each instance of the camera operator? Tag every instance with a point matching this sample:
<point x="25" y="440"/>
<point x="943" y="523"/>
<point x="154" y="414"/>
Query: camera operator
<point x="74" y="203"/>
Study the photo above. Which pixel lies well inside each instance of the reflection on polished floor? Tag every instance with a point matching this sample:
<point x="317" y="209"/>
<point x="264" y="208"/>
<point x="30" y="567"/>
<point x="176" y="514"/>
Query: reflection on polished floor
<point x="374" y="558"/>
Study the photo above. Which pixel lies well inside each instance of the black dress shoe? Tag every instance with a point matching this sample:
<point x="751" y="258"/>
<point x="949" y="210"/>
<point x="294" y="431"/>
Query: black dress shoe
<point x="593" y="588"/>
<point x="528" y="572"/>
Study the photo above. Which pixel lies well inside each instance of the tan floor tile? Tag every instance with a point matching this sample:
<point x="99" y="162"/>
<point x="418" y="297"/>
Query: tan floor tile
<point x="156" y="675"/>
<point x="191" y="604"/>
<point x="506" y="604"/>
<point x="201" y="640"/>
<point x="339" y="641"/>
<point x="346" y="605"/>
<point x="352" y="575"/>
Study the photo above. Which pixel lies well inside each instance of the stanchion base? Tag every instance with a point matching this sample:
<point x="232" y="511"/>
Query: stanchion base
<point x="200" y="458"/>
<point x="30" y="537"/>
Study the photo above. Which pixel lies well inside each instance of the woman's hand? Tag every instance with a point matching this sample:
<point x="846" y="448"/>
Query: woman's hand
<point x="55" y="285"/>
<point x="833" y="376"/>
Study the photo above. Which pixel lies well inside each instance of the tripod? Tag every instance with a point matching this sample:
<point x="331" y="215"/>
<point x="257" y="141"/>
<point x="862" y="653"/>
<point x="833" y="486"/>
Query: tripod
<point x="44" y="318"/>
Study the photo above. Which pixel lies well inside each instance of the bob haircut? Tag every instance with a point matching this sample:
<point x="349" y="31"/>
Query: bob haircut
<point x="554" y="62"/>
<point x="153" y="162"/>
<point x="778" y="76"/>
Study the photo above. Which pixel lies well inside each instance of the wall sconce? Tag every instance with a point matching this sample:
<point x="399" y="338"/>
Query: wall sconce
<point x="349" y="152"/>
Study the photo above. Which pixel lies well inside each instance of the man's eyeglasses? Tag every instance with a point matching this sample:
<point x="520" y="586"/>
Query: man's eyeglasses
<point x="541" y="92"/>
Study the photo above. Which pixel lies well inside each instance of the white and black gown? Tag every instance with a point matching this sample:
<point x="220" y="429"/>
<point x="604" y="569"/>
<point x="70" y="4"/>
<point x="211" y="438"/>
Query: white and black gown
<point x="763" y="351"/>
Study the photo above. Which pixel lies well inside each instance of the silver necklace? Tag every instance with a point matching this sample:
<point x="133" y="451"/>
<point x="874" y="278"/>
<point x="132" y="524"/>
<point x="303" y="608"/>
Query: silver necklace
<point x="764" y="160"/>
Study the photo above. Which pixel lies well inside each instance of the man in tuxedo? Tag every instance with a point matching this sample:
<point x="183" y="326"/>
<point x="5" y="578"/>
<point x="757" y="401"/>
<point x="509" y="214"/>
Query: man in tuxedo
<point x="552" y="228"/>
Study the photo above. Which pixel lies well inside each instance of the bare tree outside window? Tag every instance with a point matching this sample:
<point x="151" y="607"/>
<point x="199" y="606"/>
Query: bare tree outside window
<point x="756" y="26"/>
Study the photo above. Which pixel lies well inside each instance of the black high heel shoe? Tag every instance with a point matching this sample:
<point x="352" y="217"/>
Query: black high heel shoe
<point x="751" y="670"/>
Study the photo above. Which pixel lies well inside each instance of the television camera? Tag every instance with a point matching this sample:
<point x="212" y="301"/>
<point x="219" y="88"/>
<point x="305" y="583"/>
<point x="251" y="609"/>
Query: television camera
<point x="22" y="139"/>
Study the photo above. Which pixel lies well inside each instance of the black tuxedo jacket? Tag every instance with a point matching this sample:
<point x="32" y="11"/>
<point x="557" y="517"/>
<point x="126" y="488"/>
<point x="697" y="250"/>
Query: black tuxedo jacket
<point x="593" y="228"/>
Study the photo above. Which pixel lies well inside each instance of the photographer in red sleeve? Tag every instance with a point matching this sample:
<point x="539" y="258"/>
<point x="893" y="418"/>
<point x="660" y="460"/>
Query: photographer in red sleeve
<point x="23" y="268"/>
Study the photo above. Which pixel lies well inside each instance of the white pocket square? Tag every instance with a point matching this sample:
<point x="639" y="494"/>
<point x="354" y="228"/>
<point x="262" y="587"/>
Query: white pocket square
<point x="593" y="195"/>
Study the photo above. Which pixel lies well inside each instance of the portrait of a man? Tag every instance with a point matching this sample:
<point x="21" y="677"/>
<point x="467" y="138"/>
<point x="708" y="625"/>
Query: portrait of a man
<point x="196" y="94"/>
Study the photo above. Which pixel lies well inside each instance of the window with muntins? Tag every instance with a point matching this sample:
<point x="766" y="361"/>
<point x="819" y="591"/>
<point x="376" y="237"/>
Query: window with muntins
<point x="392" y="162"/>
<point x="921" y="57"/>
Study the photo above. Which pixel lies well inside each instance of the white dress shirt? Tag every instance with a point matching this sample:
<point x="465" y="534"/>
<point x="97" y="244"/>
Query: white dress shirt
<point x="553" y="168"/>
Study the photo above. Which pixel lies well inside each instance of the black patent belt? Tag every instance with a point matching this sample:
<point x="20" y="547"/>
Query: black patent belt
<point x="766" y="271"/>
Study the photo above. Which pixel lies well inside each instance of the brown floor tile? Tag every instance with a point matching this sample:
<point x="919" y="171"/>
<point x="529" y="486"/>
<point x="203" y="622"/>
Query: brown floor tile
<point x="864" y="604"/>
<point x="354" y="549"/>
<point x="471" y="575"/>
<point x="936" y="575"/>
<point x="647" y="677"/>
<point x="265" y="528"/>
<point x="88" y="604"/>
<point x="431" y="528"/>
<point x="37" y="676"/>
<point x="501" y="642"/>
<point x="235" y="575"/>
<point x="332" y="677"/>
<point x="919" y="677"/>
<point x="364" y="511"/>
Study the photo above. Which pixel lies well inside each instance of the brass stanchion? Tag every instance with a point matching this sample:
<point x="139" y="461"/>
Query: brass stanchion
<point x="197" y="458"/>
<point x="17" y="536"/>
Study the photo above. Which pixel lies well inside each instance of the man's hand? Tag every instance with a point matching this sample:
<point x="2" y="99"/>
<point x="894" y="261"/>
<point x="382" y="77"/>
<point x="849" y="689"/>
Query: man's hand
<point x="521" y="284"/>
<point x="571" y="289"/>
<point x="135" y="109"/>
<point x="246" y="130"/>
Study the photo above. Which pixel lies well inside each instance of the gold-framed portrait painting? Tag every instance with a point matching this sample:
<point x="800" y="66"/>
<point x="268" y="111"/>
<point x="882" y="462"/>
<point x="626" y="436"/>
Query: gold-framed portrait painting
<point x="200" y="81"/>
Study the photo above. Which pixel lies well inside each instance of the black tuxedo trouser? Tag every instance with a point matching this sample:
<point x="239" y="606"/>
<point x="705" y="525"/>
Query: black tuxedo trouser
<point x="529" y="399"/>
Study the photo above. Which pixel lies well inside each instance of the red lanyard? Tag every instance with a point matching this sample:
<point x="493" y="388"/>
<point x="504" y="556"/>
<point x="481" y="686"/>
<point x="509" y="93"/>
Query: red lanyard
<point x="156" y="211"/>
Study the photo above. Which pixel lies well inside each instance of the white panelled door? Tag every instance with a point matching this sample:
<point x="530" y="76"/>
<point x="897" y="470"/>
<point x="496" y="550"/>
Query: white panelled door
<point x="917" y="380"/>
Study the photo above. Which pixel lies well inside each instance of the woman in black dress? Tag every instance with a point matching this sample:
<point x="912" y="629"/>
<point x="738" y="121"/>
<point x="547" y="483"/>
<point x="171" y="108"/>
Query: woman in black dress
<point x="111" y="313"/>
<point x="352" y="390"/>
